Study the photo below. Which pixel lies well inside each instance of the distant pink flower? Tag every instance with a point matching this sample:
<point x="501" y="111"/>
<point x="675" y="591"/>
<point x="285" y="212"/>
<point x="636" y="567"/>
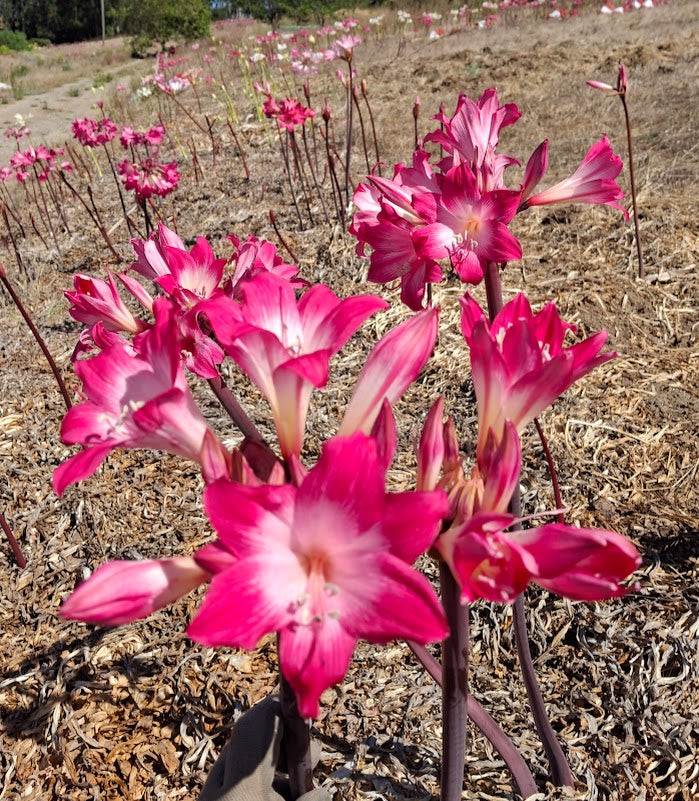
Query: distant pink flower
<point x="149" y="177"/>
<point x="284" y="345"/>
<point x="92" y="133"/>
<point x="323" y="565"/>
<point x="344" y="47"/>
<point x="135" y="399"/>
<point x="592" y="182"/>
<point x="519" y="364"/>
<point x="292" y="114"/>
<point x="94" y="300"/>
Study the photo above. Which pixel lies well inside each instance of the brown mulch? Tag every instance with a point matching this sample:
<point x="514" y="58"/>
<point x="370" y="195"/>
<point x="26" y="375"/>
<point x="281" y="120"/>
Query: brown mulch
<point x="140" y="712"/>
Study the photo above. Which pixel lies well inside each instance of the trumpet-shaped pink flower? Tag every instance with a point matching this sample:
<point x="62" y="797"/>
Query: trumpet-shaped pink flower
<point x="323" y="565"/>
<point x="473" y="225"/>
<point x="490" y="562"/>
<point x="391" y="216"/>
<point x="151" y="254"/>
<point x="518" y="362"/>
<point x="471" y="135"/>
<point x="255" y="256"/>
<point x="284" y="346"/>
<point x="135" y="399"/>
<point x="592" y="182"/>
<point x="122" y="591"/>
<point x="96" y="301"/>
<point x="92" y="133"/>
<point x="393" y="364"/>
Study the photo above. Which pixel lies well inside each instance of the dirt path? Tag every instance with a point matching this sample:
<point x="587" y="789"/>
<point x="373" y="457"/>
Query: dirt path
<point x="49" y="114"/>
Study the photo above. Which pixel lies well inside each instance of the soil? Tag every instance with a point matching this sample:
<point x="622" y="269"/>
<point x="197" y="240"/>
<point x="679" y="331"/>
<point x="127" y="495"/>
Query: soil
<point x="140" y="712"/>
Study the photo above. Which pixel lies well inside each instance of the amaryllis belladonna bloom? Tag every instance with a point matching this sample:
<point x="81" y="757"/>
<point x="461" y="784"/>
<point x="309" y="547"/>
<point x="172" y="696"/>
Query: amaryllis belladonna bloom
<point x="592" y="182"/>
<point x="135" y="398"/>
<point x="489" y="561"/>
<point x="323" y="565"/>
<point x="284" y="345"/>
<point x="96" y="301"/>
<point x="149" y="177"/>
<point x="519" y="364"/>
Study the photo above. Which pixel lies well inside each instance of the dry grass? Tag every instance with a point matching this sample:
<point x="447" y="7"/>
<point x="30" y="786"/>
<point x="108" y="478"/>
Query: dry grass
<point x="140" y="712"/>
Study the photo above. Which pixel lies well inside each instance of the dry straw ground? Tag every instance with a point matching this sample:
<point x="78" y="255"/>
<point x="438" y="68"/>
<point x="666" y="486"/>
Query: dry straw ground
<point x="140" y="712"/>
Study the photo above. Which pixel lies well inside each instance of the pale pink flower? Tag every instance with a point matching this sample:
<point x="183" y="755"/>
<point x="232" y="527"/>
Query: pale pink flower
<point x="151" y="261"/>
<point x="122" y="591"/>
<point x="284" y="345"/>
<point x="592" y="182"/>
<point x="323" y="565"/>
<point x="393" y="364"/>
<point x="472" y="135"/>
<point x="94" y="300"/>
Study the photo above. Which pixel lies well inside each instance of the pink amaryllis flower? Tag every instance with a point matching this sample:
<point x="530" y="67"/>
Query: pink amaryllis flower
<point x="390" y="218"/>
<point x="255" y="256"/>
<point x="489" y="561"/>
<point x="472" y="225"/>
<point x="285" y="345"/>
<point x="592" y="182"/>
<point x="393" y="364"/>
<point x="123" y="591"/>
<point x="471" y="136"/>
<point x="96" y="301"/>
<point x="149" y="177"/>
<point x="323" y="564"/>
<point x="136" y="397"/>
<point x="519" y="364"/>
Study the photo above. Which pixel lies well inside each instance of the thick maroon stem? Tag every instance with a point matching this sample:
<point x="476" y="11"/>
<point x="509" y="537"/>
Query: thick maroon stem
<point x="639" y="253"/>
<point x="454" y="688"/>
<point x="16" y="550"/>
<point x="37" y="336"/>
<point x="521" y="774"/>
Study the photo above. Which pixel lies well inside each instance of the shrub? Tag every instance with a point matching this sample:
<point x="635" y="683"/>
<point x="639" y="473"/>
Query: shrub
<point x="160" y="20"/>
<point x="13" y="40"/>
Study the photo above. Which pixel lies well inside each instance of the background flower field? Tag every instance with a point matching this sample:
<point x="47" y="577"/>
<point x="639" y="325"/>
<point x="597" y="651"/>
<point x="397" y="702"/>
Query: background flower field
<point x="141" y="712"/>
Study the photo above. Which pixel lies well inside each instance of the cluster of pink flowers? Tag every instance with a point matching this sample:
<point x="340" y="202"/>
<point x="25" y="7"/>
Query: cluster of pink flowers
<point x="92" y="133"/>
<point x="459" y="209"/>
<point x="289" y="113"/>
<point x="149" y="176"/>
<point x="323" y="555"/>
<point x="39" y="161"/>
<point x="152" y="137"/>
<point x="339" y="549"/>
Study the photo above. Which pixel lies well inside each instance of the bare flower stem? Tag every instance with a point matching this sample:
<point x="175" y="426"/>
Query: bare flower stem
<point x="521" y="774"/>
<point x="284" y="243"/>
<point x="557" y="499"/>
<point x="16" y="550"/>
<point x="639" y="253"/>
<point x="296" y="743"/>
<point x="37" y="336"/>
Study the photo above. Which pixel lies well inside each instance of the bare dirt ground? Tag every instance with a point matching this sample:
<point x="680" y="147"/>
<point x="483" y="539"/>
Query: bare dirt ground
<point x="140" y="712"/>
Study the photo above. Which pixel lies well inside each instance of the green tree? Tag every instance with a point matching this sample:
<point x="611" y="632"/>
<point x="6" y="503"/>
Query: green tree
<point x="160" y="20"/>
